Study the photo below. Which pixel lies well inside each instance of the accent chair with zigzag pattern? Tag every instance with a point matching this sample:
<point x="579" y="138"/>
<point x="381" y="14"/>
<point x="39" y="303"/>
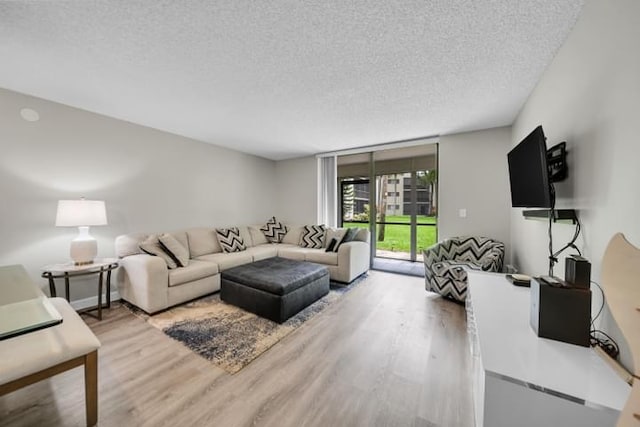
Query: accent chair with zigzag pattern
<point x="445" y="262"/>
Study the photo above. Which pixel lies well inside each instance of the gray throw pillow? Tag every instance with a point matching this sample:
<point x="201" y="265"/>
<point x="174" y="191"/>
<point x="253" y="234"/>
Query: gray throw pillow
<point x="349" y="236"/>
<point x="174" y="248"/>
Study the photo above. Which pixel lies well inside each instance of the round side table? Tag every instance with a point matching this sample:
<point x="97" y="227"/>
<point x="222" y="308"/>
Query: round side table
<point x="67" y="270"/>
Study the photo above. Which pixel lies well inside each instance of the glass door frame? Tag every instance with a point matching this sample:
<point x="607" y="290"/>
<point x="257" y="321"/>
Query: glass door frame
<point x="373" y="208"/>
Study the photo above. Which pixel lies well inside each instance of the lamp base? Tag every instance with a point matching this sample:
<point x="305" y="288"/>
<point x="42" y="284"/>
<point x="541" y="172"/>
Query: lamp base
<point x="84" y="247"/>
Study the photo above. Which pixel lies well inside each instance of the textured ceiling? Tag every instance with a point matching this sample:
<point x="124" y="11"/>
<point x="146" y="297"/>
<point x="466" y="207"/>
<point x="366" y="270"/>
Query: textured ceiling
<point x="286" y="78"/>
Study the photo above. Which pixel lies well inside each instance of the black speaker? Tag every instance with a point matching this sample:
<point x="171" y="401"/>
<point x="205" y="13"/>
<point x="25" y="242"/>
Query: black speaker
<point x="577" y="272"/>
<point x="560" y="312"/>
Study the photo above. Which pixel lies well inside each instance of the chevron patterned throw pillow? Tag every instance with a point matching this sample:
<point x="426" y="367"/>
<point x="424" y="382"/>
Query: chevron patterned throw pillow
<point x="274" y="231"/>
<point x="312" y="236"/>
<point x="230" y="240"/>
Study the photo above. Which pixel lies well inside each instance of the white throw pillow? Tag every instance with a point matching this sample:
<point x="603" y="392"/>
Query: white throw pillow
<point x="171" y="245"/>
<point x="293" y="235"/>
<point x="152" y="246"/>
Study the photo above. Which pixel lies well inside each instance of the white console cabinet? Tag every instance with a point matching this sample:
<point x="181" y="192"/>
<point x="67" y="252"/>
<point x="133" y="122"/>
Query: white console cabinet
<point x="522" y="380"/>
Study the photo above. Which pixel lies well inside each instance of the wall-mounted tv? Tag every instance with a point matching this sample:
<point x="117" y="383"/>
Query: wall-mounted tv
<point x="528" y="172"/>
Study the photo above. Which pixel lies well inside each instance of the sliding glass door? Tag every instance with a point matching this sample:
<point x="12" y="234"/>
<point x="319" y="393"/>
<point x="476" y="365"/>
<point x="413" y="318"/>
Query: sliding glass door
<point x="400" y="187"/>
<point x="406" y="222"/>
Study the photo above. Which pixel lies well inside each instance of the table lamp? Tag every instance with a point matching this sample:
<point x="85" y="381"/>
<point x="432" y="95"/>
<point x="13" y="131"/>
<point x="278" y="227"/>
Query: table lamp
<point x="82" y="214"/>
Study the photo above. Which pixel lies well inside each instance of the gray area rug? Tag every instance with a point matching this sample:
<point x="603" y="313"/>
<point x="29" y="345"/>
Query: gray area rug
<point x="229" y="336"/>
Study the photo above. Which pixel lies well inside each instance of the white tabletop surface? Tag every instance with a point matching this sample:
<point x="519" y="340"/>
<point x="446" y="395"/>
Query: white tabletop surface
<point x="510" y="348"/>
<point x="70" y="267"/>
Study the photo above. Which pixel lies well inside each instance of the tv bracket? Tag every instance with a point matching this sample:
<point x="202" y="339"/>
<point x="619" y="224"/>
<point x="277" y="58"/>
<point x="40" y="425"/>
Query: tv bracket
<point x="557" y="162"/>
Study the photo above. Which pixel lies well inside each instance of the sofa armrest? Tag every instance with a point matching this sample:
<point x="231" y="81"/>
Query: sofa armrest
<point x="143" y="280"/>
<point x="353" y="260"/>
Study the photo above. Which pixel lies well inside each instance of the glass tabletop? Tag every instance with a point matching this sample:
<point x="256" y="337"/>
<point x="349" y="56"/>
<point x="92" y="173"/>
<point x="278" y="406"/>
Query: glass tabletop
<point x="23" y="306"/>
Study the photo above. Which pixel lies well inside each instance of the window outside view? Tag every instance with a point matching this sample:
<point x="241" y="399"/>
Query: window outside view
<point x="395" y="203"/>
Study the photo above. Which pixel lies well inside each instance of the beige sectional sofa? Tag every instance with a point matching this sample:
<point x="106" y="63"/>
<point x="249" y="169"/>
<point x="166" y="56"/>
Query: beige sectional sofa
<point x="146" y="282"/>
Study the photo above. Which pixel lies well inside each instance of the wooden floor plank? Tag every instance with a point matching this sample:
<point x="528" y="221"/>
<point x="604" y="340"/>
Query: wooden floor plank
<point x="387" y="354"/>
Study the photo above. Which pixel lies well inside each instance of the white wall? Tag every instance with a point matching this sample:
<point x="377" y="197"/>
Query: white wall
<point x="297" y="190"/>
<point x="150" y="180"/>
<point x="473" y="175"/>
<point x="590" y="97"/>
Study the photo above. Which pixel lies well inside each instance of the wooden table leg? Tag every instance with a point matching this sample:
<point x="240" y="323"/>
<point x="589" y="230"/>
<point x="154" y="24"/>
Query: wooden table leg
<point x="91" y="387"/>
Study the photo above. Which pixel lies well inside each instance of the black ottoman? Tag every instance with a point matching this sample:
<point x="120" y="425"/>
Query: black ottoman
<point x="275" y="288"/>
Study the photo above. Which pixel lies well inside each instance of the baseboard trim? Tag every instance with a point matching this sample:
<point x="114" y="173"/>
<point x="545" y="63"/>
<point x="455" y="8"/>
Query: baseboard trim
<point x="81" y="304"/>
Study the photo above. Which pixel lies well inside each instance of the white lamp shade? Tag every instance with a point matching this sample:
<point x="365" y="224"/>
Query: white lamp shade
<point x="76" y="213"/>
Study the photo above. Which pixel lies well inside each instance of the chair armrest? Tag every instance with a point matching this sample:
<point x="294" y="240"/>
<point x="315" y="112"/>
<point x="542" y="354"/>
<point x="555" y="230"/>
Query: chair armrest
<point x="455" y="270"/>
<point x="438" y="252"/>
<point x="493" y="260"/>
<point x="143" y="280"/>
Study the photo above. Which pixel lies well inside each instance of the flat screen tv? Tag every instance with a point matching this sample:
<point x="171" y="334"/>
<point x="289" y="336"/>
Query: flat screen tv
<point x="528" y="172"/>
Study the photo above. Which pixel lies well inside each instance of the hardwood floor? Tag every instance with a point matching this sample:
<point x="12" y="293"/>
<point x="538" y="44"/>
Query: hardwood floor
<point x="387" y="354"/>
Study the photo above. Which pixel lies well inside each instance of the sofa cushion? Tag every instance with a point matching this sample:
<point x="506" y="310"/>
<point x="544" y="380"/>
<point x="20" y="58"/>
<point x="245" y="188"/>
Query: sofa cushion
<point x="246" y="236"/>
<point x="151" y="245"/>
<point x="263" y="251"/>
<point x="257" y="236"/>
<point x="227" y="261"/>
<point x="230" y="240"/>
<point x="474" y="249"/>
<point x="194" y="271"/>
<point x="312" y="236"/>
<point x="175" y="249"/>
<point x="291" y="251"/>
<point x="293" y="235"/>
<point x="274" y="230"/>
<point x="320" y="256"/>
<point x="203" y="241"/>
